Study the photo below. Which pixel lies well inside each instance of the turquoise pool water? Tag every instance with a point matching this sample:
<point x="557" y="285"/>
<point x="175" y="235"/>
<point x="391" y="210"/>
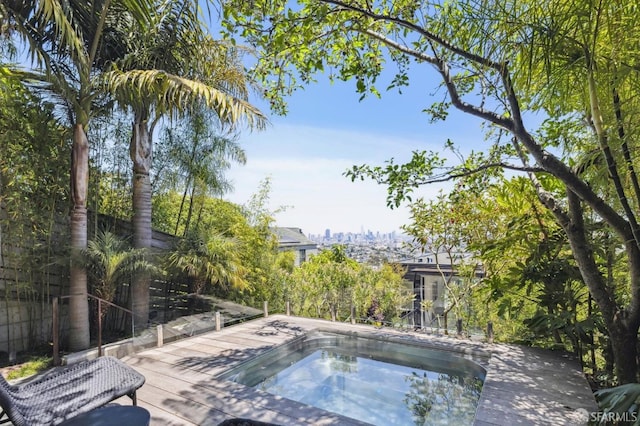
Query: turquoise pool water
<point x="376" y="381"/>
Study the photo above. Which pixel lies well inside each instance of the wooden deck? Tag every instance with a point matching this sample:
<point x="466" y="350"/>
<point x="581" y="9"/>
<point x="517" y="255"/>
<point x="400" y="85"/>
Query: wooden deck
<point x="181" y="386"/>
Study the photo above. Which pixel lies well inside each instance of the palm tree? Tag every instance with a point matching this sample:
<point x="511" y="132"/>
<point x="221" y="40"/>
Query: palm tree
<point x="169" y="69"/>
<point x="110" y="261"/>
<point x="66" y="41"/>
<point x="199" y="157"/>
<point x="211" y="259"/>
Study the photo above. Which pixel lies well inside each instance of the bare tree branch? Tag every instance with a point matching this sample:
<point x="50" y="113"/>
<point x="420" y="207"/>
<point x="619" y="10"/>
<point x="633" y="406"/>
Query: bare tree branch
<point x="443" y="69"/>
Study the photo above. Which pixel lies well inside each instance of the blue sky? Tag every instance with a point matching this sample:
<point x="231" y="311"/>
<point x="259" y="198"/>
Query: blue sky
<point x="326" y="131"/>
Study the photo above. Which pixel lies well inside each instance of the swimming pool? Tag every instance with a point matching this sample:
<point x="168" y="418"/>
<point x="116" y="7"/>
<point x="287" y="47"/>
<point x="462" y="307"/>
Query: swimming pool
<point x="369" y="379"/>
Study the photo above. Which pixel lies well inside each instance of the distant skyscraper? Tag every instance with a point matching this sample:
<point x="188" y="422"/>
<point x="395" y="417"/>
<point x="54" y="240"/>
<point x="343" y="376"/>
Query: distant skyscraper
<point x="327" y="234"/>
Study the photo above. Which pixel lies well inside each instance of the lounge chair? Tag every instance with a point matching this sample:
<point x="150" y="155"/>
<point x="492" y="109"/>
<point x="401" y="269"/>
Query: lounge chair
<point x="68" y="391"/>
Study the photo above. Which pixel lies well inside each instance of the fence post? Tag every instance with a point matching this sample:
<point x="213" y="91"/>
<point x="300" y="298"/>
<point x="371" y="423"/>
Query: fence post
<point x="160" y="332"/>
<point x="459" y="327"/>
<point x="266" y="309"/>
<point x="288" y="305"/>
<point x="99" y="327"/>
<point x="55" y="332"/>
<point x="490" y="332"/>
<point x="353" y="315"/>
<point x="218" y="319"/>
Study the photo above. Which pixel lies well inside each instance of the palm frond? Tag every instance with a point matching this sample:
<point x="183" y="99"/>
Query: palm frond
<point x="215" y="261"/>
<point x="110" y="261"/>
<point x="66" y="33"/>
<point x="168" y="91"/>
<point x="141" y="10"/>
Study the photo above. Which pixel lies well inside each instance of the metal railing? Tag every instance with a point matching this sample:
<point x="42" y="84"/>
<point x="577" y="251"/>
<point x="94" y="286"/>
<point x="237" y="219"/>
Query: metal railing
<point x="56" y="323"/>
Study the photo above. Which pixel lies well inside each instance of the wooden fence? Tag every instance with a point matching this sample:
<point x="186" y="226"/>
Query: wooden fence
<point x="33" y="272"/>
<point x="30" y="274"/>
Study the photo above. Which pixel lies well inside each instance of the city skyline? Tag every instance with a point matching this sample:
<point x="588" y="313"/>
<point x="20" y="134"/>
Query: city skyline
<point x="367" y="233"/>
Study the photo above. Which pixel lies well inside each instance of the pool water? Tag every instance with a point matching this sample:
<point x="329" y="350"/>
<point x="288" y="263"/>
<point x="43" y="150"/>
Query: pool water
<point x="379" y="382"/>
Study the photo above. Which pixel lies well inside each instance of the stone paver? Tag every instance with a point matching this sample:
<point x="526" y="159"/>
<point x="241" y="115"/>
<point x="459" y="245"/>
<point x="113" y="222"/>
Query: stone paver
<point x="523" y="386"/>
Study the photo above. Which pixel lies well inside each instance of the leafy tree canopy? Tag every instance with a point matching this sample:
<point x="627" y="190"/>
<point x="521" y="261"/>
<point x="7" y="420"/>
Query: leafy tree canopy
<point x="573" y="62"/>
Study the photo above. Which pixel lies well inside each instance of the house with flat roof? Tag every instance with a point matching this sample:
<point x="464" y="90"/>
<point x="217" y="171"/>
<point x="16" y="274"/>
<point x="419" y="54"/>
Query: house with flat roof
<point x="429" y="274"/>
<point x="293" y="239"/>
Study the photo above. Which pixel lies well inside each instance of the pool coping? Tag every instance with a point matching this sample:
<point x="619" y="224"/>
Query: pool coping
<point x="413" y="356"/>
<point x="523" y="385"/>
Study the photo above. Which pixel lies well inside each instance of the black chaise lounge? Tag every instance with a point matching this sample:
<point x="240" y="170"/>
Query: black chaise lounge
<point x="68" y="391"/>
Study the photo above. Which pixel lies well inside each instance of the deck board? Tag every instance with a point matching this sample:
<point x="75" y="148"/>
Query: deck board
<point x="182" y="389"/>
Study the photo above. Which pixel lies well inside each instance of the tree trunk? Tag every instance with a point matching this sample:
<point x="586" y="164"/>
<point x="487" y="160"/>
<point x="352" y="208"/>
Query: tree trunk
<point x="556" y="334"/>
<point x="623" y="346"/>
<point x="608" y="357"/>
<point x="621" y="324"/>
<point x="141" y="155"/>
<point x="190" y="211"/>
<point x="184" y="198"/>
<point x="191" y="179"/>
<point x="78" y="305"/>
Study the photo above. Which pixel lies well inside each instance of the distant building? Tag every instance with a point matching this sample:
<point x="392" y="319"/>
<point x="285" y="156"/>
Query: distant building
<point x="293" y="239"/>
<point x="428" y="278"/>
